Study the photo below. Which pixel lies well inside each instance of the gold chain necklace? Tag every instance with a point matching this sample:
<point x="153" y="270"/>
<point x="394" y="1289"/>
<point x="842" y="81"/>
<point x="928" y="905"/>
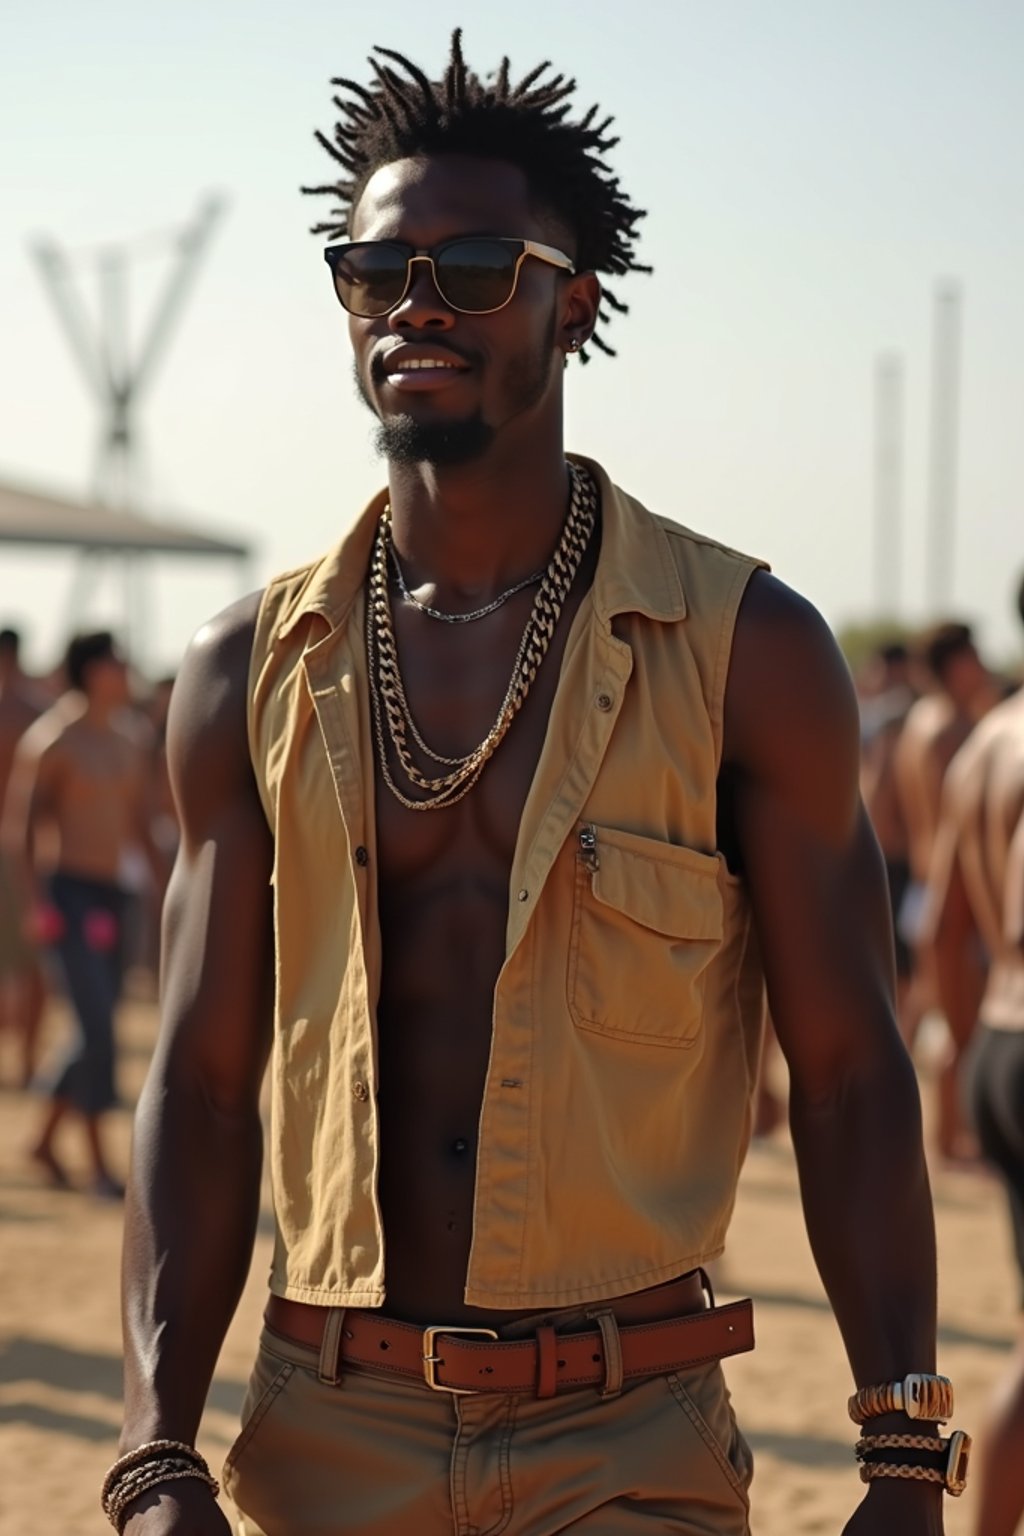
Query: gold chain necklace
<point x="387" y="691"/>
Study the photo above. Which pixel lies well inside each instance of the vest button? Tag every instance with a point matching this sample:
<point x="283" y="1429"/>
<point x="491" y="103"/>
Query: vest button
<point x="604" y="701"/>
<point x="524" y="894"/>
<point x="360" y="1092"/>
<point x="362" y="857"/>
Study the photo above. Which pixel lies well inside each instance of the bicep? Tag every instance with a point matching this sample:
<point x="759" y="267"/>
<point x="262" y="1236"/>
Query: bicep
<point x="814" y="869"/>
<point x="217" y="964"/>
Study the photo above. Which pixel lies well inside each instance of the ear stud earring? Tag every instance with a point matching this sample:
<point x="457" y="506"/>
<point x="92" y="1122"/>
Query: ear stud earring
<point x="574" y="345"/>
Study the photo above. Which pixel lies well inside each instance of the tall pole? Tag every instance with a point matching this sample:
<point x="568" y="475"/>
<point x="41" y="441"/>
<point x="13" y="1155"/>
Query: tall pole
<point x="944" y="446"/>
<point x="105" y="355"/>
<point x="888" y="539"/>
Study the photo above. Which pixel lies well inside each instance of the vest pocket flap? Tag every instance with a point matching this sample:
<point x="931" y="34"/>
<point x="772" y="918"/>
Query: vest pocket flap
<point x="672" y="890"/>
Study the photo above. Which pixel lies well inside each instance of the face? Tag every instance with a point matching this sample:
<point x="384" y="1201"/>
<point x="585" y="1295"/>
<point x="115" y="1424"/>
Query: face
<point x="498" y="373"/>
<point x="106" y="681"/>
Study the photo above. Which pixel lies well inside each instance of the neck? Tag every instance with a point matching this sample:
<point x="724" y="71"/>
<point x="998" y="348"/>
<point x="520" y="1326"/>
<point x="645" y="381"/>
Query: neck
<point x="473" y="529"/>
<point x="94" y="712"/>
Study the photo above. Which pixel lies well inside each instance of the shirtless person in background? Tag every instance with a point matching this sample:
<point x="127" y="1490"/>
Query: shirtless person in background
<point x="977" y="898"/>
<point x="21" y="980"/>
<point x="883" y="715"/>
<point x="79" y="778"/>
<point x="936" y="728"/>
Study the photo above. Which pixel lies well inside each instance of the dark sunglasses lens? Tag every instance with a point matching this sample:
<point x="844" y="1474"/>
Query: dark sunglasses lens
<point x="476" y="275"/>
<point x="370" y="279"/>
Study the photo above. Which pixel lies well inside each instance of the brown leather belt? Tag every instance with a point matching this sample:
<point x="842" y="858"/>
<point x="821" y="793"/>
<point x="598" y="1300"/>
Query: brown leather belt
<point x="657" y="1331"/>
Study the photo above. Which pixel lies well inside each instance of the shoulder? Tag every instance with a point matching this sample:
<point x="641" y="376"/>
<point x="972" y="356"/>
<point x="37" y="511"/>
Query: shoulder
<point x="710" y="570"/>
<point x="48" y="735"/>
<point x="927" y="718"/>
<point x="789" y="694"/>
<point x="684" y="539"/>
<point x="208" y="705"/>
<point x="998" y="734"/>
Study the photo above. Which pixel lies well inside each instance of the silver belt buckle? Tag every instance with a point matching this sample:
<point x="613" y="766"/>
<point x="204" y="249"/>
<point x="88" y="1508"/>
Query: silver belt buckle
<point x="431" y="1360"/>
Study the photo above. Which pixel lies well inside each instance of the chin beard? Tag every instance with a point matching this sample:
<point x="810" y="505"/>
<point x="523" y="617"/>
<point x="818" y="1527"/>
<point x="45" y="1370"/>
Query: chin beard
<point x="403" y="440"/>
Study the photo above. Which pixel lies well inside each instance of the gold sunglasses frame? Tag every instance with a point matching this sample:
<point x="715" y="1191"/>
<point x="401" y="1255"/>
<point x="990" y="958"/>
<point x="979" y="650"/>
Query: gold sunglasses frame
<point x="546" y="253"/>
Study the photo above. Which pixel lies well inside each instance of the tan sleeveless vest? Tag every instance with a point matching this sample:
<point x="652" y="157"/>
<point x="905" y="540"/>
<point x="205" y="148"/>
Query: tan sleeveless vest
<point x="627" y="1015"/>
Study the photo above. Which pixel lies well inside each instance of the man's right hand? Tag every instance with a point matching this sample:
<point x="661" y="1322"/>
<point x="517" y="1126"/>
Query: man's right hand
<point x="185" y="1507"/>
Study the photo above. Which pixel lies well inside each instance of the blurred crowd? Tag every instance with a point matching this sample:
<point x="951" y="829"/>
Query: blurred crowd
<point x="929" y="707"/>
<point x="87" y="840"/>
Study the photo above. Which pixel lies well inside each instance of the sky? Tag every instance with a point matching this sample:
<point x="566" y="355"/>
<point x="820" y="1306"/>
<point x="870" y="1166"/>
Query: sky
<point x="812" y="169"/>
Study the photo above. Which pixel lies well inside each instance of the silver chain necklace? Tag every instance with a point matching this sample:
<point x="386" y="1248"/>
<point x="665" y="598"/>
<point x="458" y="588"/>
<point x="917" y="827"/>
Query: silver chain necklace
<point x="456" y="618"/>
<point x="392" y="717"/>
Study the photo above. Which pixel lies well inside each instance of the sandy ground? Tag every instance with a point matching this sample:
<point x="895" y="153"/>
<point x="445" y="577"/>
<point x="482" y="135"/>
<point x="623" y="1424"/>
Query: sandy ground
<point x="60" y="1370"/>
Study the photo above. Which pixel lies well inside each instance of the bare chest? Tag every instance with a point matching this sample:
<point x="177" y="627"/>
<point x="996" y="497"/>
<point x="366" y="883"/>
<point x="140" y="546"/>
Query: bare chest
<point x="99" y="775"/>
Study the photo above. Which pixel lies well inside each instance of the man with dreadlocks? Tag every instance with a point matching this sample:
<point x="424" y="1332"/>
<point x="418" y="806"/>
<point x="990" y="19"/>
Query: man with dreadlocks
<point x="487" y="819"/>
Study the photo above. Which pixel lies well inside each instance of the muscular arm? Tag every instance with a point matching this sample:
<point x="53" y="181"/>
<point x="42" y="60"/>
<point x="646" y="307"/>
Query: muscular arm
<point x="818" y="890"/>
<point x="193" y="1196"/>
<point x="31" y="802"/>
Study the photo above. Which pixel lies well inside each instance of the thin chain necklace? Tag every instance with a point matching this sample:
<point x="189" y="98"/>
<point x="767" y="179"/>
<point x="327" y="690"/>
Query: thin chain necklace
<point x="387" y="690"/>
<point x="455" y="618"/>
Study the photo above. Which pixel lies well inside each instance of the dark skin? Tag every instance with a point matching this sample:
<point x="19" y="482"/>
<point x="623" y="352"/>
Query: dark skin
<point x="794" y="821"/>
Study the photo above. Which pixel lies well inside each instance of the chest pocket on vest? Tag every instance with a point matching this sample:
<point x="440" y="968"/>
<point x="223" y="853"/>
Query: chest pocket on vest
<point x="647" y="921"/>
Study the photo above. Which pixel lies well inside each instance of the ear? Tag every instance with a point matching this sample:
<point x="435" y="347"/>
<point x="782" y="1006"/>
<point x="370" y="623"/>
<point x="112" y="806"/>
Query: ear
<point x="581" y="298"/>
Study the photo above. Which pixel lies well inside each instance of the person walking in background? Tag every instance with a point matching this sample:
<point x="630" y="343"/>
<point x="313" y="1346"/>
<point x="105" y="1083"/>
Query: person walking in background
<point x="22" y="989"/>
<point x="888" y="697"/>
<point x="936" y="726"/>
<point x="976" y="899"/>
<point x="78" y="785"/>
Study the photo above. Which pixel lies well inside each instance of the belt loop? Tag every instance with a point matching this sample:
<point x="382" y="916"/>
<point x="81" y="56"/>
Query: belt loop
<point x="547" y="1361"/>
<point x="612" y="1341"/>
<point x="329" y="1369"/>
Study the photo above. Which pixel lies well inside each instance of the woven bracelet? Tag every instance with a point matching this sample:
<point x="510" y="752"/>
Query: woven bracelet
<point x="899" y="1443"/>
<point x="158" y="1461"/>
<point x="869" y="1470"/>
<point x="159" y="1474"/>
<point x="148" y="1452"/>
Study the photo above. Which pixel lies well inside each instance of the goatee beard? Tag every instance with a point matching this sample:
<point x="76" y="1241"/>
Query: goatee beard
<point x="403" y="440"/>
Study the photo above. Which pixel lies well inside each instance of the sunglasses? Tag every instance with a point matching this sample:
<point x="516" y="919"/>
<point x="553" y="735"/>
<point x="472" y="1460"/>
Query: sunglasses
<point x="475" y="274"/>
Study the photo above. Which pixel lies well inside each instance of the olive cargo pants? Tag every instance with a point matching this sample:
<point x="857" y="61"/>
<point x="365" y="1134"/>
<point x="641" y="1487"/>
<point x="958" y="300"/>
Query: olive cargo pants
<point x="373" y="1455"/>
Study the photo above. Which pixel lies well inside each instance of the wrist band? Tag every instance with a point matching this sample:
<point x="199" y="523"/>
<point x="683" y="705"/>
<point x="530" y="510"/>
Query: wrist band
<point x="870" y="1470"/>
<point x="146" y="1467"/>
<point x="930" y="1460"/>
<point x="899" y="1443"/>
<point x="918" y="1396"/>
<point x="147" y="1452"/>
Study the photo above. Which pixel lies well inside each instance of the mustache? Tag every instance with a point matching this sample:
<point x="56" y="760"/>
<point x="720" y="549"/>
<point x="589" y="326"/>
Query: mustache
<point x="378" y="359"/>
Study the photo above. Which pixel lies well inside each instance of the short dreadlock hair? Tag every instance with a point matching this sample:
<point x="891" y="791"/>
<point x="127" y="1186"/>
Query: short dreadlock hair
<point x="403" y="113"/>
